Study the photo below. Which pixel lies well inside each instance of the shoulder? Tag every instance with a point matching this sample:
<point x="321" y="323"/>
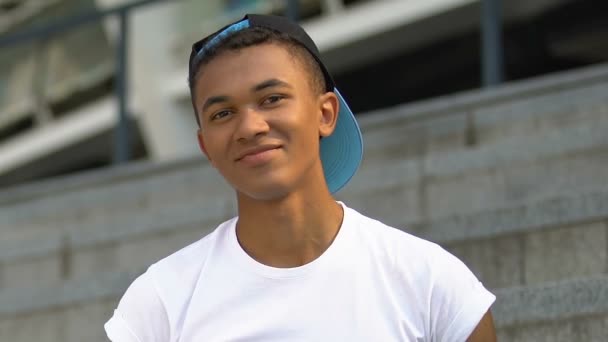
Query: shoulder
<point x="191" y="257"/>
<point x="409" y="253"/>
<point x="151" y="306"/>
<point x="454" y="300"/>
<point x="176" y="275"/>
<point x="396" y="245"/>
<point x="139" y="309"/>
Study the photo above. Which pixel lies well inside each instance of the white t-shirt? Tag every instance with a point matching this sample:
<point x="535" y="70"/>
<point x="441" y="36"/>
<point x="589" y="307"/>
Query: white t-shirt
<point x="373" y="283"/>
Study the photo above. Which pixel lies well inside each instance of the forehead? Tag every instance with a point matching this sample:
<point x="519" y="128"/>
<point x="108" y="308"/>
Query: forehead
<point x="264" y="60"/>
<point x="265" y="57"/>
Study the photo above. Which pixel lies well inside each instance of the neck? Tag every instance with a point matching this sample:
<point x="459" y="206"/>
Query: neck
<point x="291" y="231"/>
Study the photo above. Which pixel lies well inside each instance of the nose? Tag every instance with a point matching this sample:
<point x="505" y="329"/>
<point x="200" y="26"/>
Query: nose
<point x="251" y="125"/>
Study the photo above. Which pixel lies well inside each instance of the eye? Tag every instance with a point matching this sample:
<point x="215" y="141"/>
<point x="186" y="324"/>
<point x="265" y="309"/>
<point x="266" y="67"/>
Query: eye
<point x="272" y="99"/>
<point x="220" y="115"/>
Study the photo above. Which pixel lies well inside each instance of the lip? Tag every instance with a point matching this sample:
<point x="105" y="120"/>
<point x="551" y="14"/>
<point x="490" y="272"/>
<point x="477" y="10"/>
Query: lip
<point x="257" y="151"/>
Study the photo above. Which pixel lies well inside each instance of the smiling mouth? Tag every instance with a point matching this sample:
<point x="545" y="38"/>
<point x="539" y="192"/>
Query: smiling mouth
<point x="258" y="157"/>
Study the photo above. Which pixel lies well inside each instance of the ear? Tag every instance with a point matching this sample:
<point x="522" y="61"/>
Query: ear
<point x="329" y="108"/>
<point x="201" y="145"/>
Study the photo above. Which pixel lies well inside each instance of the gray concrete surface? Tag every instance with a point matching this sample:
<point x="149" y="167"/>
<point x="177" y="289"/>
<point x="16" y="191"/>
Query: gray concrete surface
<point x="492" y="176"/>
<point x="512" y="180"/>
<point x="552" y="301"/>
<point x="499" y="245"/>
<point x="439" y="116"/>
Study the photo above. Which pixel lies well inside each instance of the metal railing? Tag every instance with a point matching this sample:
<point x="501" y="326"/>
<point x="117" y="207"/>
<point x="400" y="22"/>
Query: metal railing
<point x="122" y="144"/>
<point x="491" y="43"/>
<point x="121" y="138"/>
<point x="492" y="61"/>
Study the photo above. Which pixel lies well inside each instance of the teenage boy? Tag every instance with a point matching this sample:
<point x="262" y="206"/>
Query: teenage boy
<point x="295" y="264"/>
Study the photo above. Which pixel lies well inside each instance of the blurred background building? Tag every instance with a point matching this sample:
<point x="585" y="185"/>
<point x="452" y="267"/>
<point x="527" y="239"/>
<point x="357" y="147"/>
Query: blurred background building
<point x="57" y="105"/>
<point x="496" y="151"/>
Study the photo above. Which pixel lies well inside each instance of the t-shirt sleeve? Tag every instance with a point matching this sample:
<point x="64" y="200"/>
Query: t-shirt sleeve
<point x="140" y="315"/>
<point x="458" y="299"/>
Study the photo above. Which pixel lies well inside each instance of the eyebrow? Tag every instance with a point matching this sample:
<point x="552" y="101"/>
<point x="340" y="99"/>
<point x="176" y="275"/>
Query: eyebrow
<point x="273" y="82"/>
<point x="214" y="100"/>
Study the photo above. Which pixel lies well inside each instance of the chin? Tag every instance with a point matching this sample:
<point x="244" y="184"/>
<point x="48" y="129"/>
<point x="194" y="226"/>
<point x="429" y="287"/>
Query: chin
<point x="271" y="185"/>
<point x="265" y="191"/>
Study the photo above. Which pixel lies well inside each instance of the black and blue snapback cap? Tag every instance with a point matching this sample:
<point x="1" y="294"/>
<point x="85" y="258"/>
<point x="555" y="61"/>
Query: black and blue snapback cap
<point x="342" y="151"/>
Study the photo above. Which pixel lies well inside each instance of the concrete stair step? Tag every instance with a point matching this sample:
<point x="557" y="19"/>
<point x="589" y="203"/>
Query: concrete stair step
<point x="119" y="195"/>
<point x="576" y="137"/>
<point x="136" y="242"/>
<point x="468" y="101"/>
<point x="572" y="310"/>
<point x="506" y="246"/>
<point x="537" y="115"/>
<point x="490" y="176"/>
<point x="538" y="256"/>
<point x="548" y="239"/>
<point x="402" y="192"/>
<point x="450" y="124"/>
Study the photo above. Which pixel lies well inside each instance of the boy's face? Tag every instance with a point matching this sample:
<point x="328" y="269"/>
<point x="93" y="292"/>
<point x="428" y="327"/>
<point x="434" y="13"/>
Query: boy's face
<point x="261" y="120"/>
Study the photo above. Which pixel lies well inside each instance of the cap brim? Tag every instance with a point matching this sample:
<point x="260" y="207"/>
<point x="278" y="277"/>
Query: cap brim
<point x="342" y="151"/>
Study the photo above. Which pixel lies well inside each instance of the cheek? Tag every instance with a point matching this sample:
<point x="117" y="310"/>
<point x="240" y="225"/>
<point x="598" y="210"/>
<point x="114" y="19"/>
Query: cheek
<point x="214" y="145"/>
<point x="303" y="140"/>
<point x="308" y="126"/>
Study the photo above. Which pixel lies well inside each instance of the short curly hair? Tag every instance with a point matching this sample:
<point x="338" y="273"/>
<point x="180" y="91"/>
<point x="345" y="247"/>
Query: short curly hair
<point x="255" y="36"/>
